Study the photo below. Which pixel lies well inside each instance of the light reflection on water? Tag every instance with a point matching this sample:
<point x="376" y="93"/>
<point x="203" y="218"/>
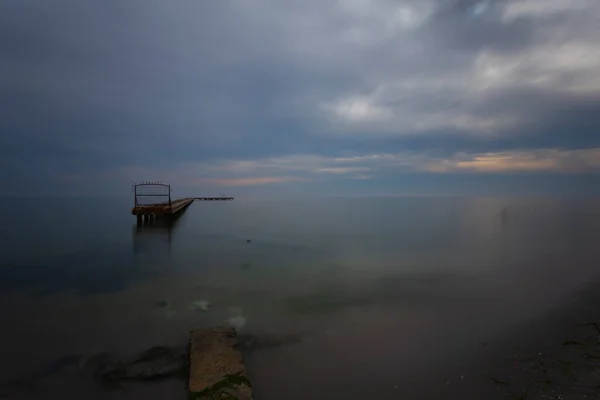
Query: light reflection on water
<point x="379" y="292"/>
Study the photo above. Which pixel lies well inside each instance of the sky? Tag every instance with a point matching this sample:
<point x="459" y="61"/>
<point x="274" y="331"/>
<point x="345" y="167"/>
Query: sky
<point x="310" y="97"/>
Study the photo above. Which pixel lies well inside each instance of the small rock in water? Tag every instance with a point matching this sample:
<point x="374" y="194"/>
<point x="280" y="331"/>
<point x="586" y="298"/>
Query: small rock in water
<point x="199" y="305"/>
<point x="237" y="322"/>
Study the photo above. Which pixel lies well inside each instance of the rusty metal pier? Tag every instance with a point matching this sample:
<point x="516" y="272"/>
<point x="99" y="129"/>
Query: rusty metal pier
<point x="165" y="208"/>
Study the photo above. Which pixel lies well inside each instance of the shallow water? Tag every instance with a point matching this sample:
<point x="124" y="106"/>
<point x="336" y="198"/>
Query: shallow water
<point x="346" y="297"/>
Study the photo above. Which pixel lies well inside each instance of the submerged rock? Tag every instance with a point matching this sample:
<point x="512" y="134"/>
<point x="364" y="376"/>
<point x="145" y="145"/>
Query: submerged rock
<point x="199" y="305"/>
<point x="237" y="322"/>
<point x="155" y="363"/>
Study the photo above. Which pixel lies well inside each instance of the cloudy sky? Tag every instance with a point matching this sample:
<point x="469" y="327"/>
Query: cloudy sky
<point x="282" y="97"/>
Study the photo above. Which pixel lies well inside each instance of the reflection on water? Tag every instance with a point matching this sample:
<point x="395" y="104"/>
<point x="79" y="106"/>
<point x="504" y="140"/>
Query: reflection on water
<point x="145" y="234"/>
<point x="343" y="298"/>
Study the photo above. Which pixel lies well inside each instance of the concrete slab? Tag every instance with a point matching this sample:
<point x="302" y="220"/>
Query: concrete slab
<point x="217" y="369"/>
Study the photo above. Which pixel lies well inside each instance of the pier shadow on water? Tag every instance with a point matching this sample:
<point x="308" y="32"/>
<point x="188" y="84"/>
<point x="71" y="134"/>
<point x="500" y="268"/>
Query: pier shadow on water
<point x="155" y="234"/>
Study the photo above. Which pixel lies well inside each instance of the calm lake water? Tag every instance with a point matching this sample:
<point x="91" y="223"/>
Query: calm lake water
<point x="348" y="298"/>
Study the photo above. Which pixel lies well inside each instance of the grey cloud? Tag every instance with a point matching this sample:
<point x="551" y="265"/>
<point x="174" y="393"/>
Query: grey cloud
<point x="158" y="83"/>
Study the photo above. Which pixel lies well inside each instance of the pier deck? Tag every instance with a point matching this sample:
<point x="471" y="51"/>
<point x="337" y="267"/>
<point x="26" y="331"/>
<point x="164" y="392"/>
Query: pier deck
<point x="170" y="208"/>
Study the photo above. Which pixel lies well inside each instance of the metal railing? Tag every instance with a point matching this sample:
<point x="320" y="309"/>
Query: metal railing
<point x="151" y="189"/>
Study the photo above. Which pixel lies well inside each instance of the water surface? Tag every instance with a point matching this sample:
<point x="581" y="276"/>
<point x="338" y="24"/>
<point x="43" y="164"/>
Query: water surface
<point x="345" y="297"/>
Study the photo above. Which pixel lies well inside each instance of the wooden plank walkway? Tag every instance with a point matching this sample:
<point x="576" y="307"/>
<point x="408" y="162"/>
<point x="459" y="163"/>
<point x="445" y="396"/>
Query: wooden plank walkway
<point x="217" y="369"/>
<point x="175" y="207"/>
<point x="165" y="209"/>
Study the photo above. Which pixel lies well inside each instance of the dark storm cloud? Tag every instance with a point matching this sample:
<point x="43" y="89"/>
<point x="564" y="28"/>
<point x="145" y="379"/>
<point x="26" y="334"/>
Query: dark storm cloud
<point x="134" y="74"/>
<point x="98" y="88"/>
